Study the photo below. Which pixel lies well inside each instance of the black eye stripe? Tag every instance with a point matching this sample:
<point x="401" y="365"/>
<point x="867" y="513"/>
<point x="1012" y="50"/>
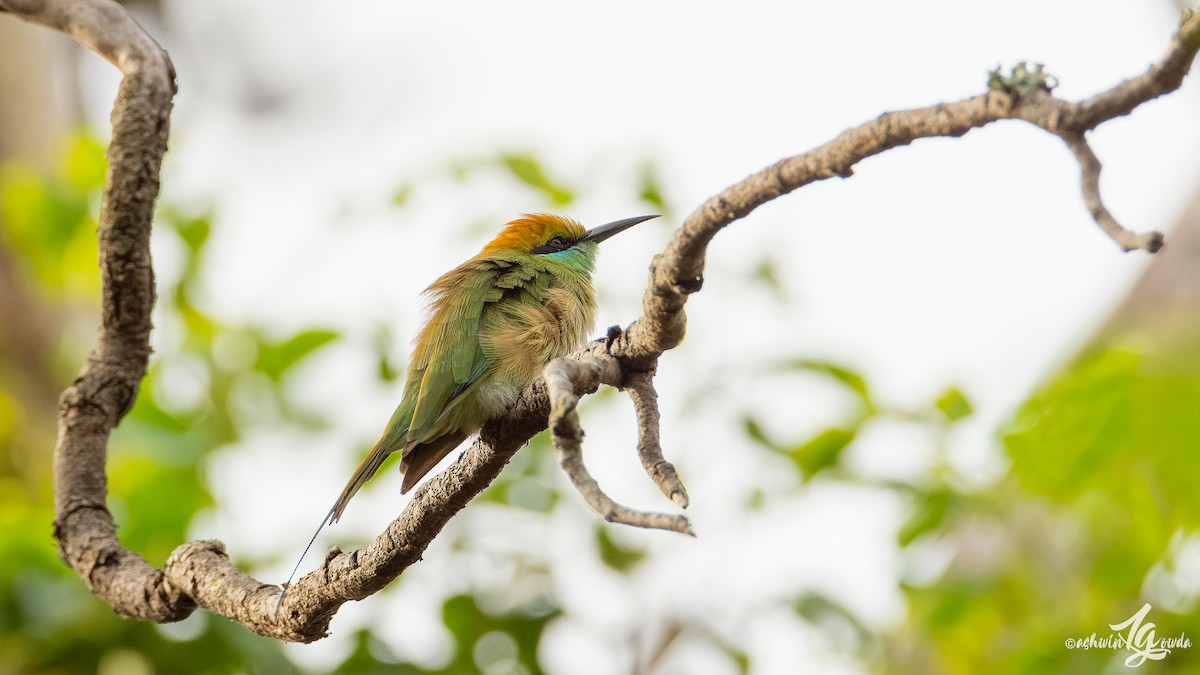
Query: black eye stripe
<point x="554" y="245"/>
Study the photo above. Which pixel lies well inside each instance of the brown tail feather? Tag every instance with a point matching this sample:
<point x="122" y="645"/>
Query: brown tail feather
<point x="418" y="460"/>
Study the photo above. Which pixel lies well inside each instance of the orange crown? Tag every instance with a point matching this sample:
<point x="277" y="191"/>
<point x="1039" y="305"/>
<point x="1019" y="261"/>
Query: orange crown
<point x="534" y="229"/>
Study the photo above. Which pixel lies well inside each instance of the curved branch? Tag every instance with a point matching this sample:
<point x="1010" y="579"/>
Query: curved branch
<point x="108" y="383"/>
<point x="1089" y="167"/>
<point x="679" y="268"/>
<point x="1162" y="78"/>
<point x="200" y="573"/>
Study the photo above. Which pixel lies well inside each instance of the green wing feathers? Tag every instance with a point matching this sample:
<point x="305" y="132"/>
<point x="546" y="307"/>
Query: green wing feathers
<point x="447" y="364"/>
<point x="447" y="357"/>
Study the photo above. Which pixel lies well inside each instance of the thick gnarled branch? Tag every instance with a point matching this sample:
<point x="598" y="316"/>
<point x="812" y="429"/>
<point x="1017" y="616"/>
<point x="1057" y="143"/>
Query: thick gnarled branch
<point x="200" y="573"/>
<point x="108" y="383"/>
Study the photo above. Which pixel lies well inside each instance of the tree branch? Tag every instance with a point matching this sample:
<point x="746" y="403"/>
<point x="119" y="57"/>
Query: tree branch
<point x="199" y="573"/>
<point x="1089" y="167"/>
<point x="679" y="268"/>
<point x="108" y="384"/>
<point x="565" y="378"/>
<point x="640" y="387"/>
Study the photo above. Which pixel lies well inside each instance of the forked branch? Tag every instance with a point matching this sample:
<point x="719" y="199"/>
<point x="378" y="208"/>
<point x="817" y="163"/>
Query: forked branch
<point x="566" y="377"/>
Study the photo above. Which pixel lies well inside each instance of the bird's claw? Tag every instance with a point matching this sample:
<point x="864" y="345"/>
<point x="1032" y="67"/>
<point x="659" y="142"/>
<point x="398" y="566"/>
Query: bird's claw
<point x="613" y="334"/>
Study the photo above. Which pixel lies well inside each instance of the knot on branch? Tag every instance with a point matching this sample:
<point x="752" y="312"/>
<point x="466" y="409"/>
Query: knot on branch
<point x="689" y="286"/>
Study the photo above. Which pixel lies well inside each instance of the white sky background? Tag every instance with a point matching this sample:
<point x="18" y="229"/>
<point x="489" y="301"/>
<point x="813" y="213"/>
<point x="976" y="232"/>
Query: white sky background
<point x="969" y="261"/>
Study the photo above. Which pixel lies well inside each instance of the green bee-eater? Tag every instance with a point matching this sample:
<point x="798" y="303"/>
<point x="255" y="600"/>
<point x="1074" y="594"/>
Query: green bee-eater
<point x="495" y="321"/>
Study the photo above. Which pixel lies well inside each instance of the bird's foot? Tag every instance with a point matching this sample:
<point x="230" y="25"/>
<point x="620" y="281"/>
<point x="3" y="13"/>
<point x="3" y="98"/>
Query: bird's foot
<point x="614" y="333"/>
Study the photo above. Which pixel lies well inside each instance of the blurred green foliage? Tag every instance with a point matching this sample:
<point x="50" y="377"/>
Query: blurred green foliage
<point x="484" y="644"/>
<point x="48" y="621"/>
<point x="1084" y="530"/>
<point x="1096" y="517"/>
<point x="529" y="170"/>
<point x="49" y="222"/>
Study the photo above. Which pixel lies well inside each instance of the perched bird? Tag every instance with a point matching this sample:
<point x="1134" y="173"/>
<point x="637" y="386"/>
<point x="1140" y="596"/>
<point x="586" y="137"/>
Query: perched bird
<point x="495" y="321"/>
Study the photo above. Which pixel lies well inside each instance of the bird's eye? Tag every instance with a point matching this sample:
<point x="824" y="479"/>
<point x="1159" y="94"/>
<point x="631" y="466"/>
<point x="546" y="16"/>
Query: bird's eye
<point x="554" y="245"/>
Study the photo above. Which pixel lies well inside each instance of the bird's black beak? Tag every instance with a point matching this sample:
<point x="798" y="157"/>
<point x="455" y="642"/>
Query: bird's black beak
<point x="602" y="232"/>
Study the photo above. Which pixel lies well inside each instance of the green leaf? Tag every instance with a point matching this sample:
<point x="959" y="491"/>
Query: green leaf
<point x="1122" y="421"/>
<point x="953" y="404"/>
<point x="851" y="379"/>
<point x="384" y="340"/>
<point x="756" y="433"/>
<point x="149" y="415"/>
<point x="276" y="359"/>
<point x="650" y="189"/>
<point x="822" y="451"/>
<point x="928" y="514"/>
<point x="193" y="230"/>
<point x="529" y="171"/>
<point x="740" y="658"/>
<point x="464" y="618"/>
<point x="387" y="372"/>
<point x="618" y="557"/>
<point x="371" y="656"/>
<point x="812" y="456"/>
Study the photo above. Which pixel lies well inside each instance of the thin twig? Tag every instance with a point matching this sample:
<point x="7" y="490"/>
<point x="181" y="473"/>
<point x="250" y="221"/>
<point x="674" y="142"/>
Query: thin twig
<point x="640" y="387"/>
<point x="1089" y="166"/>
<point x="564" y="378"/>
